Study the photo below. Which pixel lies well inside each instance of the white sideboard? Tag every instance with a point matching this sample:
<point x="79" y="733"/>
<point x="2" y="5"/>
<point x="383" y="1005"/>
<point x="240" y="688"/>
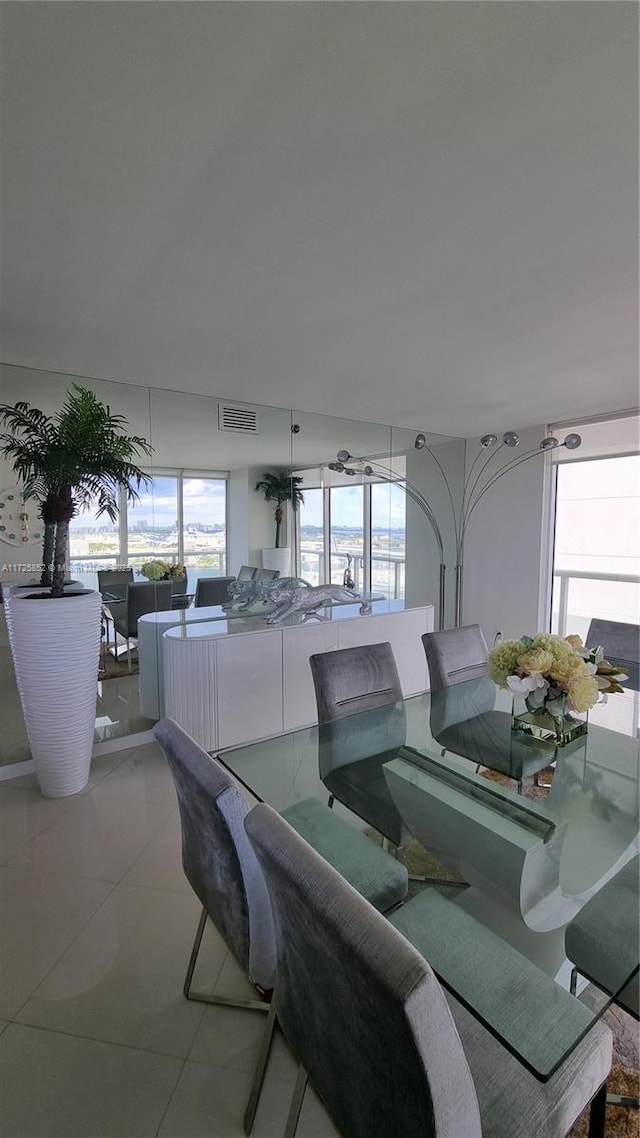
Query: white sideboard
<point x="228" y="685"/>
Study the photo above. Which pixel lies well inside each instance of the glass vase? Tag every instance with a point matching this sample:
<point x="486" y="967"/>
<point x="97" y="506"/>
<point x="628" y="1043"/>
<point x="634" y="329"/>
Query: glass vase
<point x="552" y="722"/>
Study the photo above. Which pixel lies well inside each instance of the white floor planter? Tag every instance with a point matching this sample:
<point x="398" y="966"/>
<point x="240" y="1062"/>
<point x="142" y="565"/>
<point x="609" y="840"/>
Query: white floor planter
<point x="55" y="644"/>
<point x="277" y="559"/>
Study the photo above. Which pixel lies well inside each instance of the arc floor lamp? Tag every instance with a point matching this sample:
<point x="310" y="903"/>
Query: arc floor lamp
<point x="478" y="480"/>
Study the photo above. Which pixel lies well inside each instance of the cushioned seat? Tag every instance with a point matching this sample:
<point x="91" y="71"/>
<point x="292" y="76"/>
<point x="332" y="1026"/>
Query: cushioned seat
<point x="387" y="1052"/>
<point x="377" y="876"/>
<point x="603" y="941"/>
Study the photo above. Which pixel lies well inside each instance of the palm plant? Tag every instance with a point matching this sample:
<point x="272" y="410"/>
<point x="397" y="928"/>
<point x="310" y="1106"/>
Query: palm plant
<point x="67" y="462"/>
<point x="281" y="487"/>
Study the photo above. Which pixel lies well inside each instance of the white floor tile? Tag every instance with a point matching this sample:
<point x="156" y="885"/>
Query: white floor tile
<point x="144" y="776"/>
<point x="55" y="1086"/>
<point x="121" y="980"/>
<point x="160" y="864"/>
<point x="209" y="1102"/>
<point x="23" y="814"/>
<point x="95" y="838"/>
<point x="230" y="1037"/>
<point x="40" y="915"/>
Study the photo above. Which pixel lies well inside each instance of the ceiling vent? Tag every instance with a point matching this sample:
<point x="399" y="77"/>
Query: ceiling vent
<point x="241" y="419"/>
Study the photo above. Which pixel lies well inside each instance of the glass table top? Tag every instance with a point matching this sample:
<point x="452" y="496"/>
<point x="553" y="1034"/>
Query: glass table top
<point x="531" y="860"/>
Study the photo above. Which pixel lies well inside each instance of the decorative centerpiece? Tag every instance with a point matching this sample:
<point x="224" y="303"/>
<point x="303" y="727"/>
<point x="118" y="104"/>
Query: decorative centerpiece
<point x="162" y="570"/>
<point x="559" y="681"/>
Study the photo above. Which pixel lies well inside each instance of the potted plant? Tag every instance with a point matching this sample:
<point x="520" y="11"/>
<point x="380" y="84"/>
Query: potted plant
<point x="280" y="487"/>
<point x="77" y="457"/>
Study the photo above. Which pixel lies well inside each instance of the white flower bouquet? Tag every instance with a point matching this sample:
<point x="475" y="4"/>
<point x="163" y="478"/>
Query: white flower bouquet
<point x="547" y="670"/>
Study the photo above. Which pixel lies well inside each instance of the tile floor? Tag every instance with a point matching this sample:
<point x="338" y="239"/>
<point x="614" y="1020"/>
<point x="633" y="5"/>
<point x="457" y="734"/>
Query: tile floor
<point x="97" y="920"/>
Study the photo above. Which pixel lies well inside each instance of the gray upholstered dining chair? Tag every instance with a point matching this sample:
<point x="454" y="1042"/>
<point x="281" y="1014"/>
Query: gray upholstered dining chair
<point x="347" y="682"/>
<point x="455" y="655"/>
<point x="603" y="944"/>
<point x="463" y="718"/>
<point x="366" y="1018"/>
<point x="266" y="574"/>
<point x="140" y="598"/>
<point x="212" y="591"/>
<point x="247" y="572"/>
<point x="621" y="644"/>
<point x="112" y="583"/>
<point x="222" y="870"/>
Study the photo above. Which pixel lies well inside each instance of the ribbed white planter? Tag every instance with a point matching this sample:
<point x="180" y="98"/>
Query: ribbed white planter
<point x="277" y="559"/>
<point x="55" y="644"/>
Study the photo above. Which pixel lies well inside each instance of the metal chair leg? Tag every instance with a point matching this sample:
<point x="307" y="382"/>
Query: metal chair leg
<point x="573" y="981"/>
<point x="296" y="1103"/>
<point x="261" y="1067"/>
<point x="597" y="1113"/>
<point x="206" y="997"/>
<point x="331" y="802"/>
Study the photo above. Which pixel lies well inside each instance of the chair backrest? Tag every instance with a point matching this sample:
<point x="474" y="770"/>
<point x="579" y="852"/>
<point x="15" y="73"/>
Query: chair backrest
<point x="603" y="940"/>
<point x="351" y="680"/>
<point x="360" y="1008"/>
<point x="620" y="641"/>
<point x="114" y="582"/>
<point x="218" y="859"/>
<point x="460" y="703"/>
<point x="247" y="572"/>
<point x="144" y="597"/>
<point x="455" y="655"/>
<point x="212" y="591"/>
<point x="266" y="574"/>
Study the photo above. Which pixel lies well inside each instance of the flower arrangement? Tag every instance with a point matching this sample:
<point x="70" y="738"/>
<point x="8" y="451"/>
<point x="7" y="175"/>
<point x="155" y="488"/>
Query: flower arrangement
<point x="162" y="570"/>
<point x="546" y="669"/>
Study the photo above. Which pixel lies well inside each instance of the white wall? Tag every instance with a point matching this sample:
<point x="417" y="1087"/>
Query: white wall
<point x="504" y="584"/>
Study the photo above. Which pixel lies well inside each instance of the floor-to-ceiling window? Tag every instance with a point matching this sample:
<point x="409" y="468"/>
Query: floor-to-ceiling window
<point x="353" y="533"/>
<point x="177" y="518"/>
<point x="596" y="564"/>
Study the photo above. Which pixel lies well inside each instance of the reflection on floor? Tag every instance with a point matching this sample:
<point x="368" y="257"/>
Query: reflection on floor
<point x="98" y="921"/>
<point x="117" y="710"/>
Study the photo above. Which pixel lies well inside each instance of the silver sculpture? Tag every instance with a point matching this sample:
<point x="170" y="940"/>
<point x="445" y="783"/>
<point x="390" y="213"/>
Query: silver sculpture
<point x="260" y="596"/>
<point x="305" y="601"/>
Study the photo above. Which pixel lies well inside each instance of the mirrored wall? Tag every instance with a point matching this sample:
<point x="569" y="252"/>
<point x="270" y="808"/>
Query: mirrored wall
<point x="376" y="515"/>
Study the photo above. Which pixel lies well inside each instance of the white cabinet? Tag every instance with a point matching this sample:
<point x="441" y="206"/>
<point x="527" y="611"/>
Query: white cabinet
<point x="228" y="688"/>
<point x="249" y="687"/>
<point x="298" y="645"/>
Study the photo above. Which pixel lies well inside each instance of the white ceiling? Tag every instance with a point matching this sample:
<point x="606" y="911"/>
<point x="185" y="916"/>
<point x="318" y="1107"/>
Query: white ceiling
<point x="423" y="214"/>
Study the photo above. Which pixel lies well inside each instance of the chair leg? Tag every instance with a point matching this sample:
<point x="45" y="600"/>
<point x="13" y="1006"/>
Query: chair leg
<point x="206" y="997"/>
<point x="631" y="1101"/>
<point x="261" y="1067"/>
<point x="573" y="981"/>
<point x="296" y="1103"/>
<point x="129" y="653"/>
<point x="597" y="1113"/>
<point x="401" y="856"/>
<point x="331" y="802"/>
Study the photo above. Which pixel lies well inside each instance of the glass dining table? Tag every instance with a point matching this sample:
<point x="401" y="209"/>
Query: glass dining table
<point x="528" y="861"/>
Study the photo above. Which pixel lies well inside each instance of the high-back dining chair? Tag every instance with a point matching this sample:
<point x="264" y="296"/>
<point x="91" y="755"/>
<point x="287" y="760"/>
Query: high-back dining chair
<point x="348" y="682"/>
<point x="247" y="572"/>
<point x="266" y="574"/>
<point x="140" y="598"/>
<point x="386" y="1051"/>
<point x="603" y="944"/>
<point x="212" y="591"/>
<point x="112" y="583"/>
<point x="455" y="655"/>
<point x="221" y="867"/>
<point x="621" y="644"/>
<point x="463" y="718"/>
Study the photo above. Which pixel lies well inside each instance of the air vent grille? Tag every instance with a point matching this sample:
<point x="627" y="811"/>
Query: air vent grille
<point x="242" y="419"/>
